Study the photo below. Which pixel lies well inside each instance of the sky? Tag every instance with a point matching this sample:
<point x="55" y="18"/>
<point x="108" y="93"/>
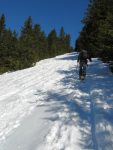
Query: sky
<point x="49" y="14"/>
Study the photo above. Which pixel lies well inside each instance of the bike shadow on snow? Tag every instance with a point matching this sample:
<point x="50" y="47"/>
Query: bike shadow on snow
<point x="87" y="105"/>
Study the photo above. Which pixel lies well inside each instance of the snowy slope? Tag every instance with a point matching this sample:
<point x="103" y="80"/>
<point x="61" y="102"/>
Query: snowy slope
<point x="47" y="107"/>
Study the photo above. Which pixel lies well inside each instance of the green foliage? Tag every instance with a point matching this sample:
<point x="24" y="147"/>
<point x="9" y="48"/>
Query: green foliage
<point x="97" y="33"/>
<point x="19" y="52"/>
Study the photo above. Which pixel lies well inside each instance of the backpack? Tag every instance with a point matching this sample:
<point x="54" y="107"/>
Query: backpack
<point x="83" y="55"/>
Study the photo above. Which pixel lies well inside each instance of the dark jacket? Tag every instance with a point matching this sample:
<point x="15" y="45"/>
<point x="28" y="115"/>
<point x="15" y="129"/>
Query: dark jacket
<point x="83" y="57"/>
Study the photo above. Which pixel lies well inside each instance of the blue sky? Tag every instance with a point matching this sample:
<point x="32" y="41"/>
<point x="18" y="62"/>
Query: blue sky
<point x="48" y="13"/>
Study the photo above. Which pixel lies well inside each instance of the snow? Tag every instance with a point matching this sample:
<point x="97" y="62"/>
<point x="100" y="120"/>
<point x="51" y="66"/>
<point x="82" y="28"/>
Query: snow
<point x="46" y="106"/>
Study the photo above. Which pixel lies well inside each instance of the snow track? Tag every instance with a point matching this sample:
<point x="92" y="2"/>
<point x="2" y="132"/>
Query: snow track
<point x="46" y="106"/>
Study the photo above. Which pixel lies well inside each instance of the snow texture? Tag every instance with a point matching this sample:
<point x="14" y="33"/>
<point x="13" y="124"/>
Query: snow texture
<point x="48" y="107"/>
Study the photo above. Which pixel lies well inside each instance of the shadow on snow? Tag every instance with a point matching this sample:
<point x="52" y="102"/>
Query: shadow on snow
<point x="88" y="105"/>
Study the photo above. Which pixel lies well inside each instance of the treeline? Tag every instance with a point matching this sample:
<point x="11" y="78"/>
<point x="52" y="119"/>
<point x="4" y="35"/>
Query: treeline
<point x="97" y="33"/>
<point x="31" y="45"/>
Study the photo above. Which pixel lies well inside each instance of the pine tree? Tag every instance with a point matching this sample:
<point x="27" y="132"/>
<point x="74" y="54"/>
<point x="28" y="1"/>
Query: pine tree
<point x="94" y="35"/>
<point x="52" y="40"/>
<point x="62" y="33"/>
<point x="26" y="44"/>
<point x="68" y="40"/>
<point x="40" y="42"/>
<point x="2" y="43"/>
<point x="19" y="52"/>
<point x="2" y="24"/>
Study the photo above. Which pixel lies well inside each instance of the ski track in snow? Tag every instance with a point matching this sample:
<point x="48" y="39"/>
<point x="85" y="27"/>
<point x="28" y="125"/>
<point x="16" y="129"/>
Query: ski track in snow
<point x="81" y="113"/>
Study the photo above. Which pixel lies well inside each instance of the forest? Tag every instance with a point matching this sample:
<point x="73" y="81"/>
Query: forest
<point x="30" y="45"/>
<point x="96" y="35"/>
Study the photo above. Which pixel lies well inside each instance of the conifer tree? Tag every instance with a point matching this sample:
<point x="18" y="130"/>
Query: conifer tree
<point x="26" y="43"/>
<point x="96" y="35"/>
<point x="18" y="52"/>
<point x="52" y="40"/>
<point x="68" y="40"/>
<point x="2" y="43"/>
<point x="62" y="33"/>
<point x="2" y="24"/>
<point x="40" y="42"/>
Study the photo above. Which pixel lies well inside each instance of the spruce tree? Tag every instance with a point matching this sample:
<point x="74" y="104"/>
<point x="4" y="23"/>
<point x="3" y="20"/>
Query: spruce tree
<point x="27" y="43"/>
<point x="96" y="35"/>
<point x="40" y="42"/>
<point x="32" y="45"/>
<point x="52" y="40"/>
